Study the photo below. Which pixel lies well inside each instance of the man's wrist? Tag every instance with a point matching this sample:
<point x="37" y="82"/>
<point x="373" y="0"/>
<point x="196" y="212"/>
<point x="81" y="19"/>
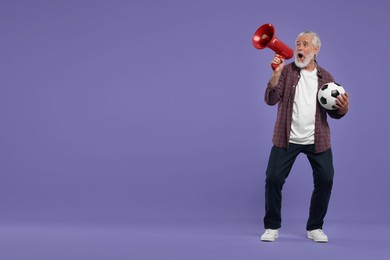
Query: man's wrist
<point x="342" y="111"/>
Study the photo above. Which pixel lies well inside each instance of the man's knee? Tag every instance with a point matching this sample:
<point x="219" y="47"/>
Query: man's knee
<point x="324" y="179"/>
<point x="274" y="179"/>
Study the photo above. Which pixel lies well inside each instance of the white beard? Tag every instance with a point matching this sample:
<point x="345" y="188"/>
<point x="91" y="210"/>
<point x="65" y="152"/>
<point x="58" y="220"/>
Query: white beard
<point x="306" y="62"/>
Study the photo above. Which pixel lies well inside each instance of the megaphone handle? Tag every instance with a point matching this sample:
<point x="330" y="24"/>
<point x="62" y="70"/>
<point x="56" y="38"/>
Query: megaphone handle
<point x="274" y="66"/>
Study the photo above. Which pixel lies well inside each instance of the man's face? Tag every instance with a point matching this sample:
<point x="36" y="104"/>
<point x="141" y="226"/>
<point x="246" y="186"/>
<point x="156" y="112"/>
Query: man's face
<point x="304" y="50"/>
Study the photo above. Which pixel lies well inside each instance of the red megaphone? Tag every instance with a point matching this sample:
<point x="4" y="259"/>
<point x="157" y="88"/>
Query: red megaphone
<point x="265" y="37"/>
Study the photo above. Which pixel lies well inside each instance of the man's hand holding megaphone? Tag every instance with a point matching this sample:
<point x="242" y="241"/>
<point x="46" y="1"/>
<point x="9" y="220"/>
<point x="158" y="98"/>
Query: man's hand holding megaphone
<point x="277" y="70"/>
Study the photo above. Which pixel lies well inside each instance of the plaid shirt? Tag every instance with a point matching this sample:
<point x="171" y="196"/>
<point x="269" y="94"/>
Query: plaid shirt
<point x="283" y="94"/>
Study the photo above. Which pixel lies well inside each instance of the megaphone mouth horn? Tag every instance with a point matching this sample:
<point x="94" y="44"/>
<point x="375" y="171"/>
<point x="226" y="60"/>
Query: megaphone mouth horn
<point x="265" y="37"/>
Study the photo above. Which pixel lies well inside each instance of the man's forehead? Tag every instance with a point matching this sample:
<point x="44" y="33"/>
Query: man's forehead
<point x="305" y="38"/>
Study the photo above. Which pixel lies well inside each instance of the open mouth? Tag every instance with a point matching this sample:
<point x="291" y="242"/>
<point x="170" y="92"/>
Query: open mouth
<point x="300" y="55"/>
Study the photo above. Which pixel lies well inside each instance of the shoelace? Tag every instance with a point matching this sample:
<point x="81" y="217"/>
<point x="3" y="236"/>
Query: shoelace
<point x="269" y="232"/>
<point x="321" y="232"/>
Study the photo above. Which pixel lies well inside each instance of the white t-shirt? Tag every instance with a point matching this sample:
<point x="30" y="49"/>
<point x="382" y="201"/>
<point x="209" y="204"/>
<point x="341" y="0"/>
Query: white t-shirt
<point x="304" y="108"/>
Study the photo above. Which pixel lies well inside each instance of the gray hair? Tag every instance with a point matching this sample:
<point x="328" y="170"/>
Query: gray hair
<point x="316" y="38"/>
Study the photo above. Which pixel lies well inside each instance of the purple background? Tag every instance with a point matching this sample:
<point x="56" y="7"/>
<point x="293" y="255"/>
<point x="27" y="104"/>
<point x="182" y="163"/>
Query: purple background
<point x="137" y="129"/>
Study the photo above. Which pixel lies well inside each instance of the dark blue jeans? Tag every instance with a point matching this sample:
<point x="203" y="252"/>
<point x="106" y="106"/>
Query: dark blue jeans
<point x="280" y="163"/>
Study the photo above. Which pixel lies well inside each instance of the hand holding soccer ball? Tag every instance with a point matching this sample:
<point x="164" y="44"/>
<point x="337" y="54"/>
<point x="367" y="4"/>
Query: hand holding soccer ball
<point x="328" y="95"/>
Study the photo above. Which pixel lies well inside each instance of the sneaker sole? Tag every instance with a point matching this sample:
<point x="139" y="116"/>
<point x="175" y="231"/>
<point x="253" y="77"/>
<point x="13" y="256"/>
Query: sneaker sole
<point x="318" y="241"/>
<point x="268" y="240"/>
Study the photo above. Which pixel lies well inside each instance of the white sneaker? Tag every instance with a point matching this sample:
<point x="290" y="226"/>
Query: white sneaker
<point x="269" y="235"/>
<point x="317" y="235"/>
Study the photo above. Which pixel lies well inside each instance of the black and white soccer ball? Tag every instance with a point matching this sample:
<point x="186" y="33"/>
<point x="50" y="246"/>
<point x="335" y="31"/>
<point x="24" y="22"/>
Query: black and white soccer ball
<point x="328" y="93"/>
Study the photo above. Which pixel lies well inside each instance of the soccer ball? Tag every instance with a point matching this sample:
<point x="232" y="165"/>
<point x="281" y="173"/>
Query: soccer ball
<point x="328" y="93"/>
